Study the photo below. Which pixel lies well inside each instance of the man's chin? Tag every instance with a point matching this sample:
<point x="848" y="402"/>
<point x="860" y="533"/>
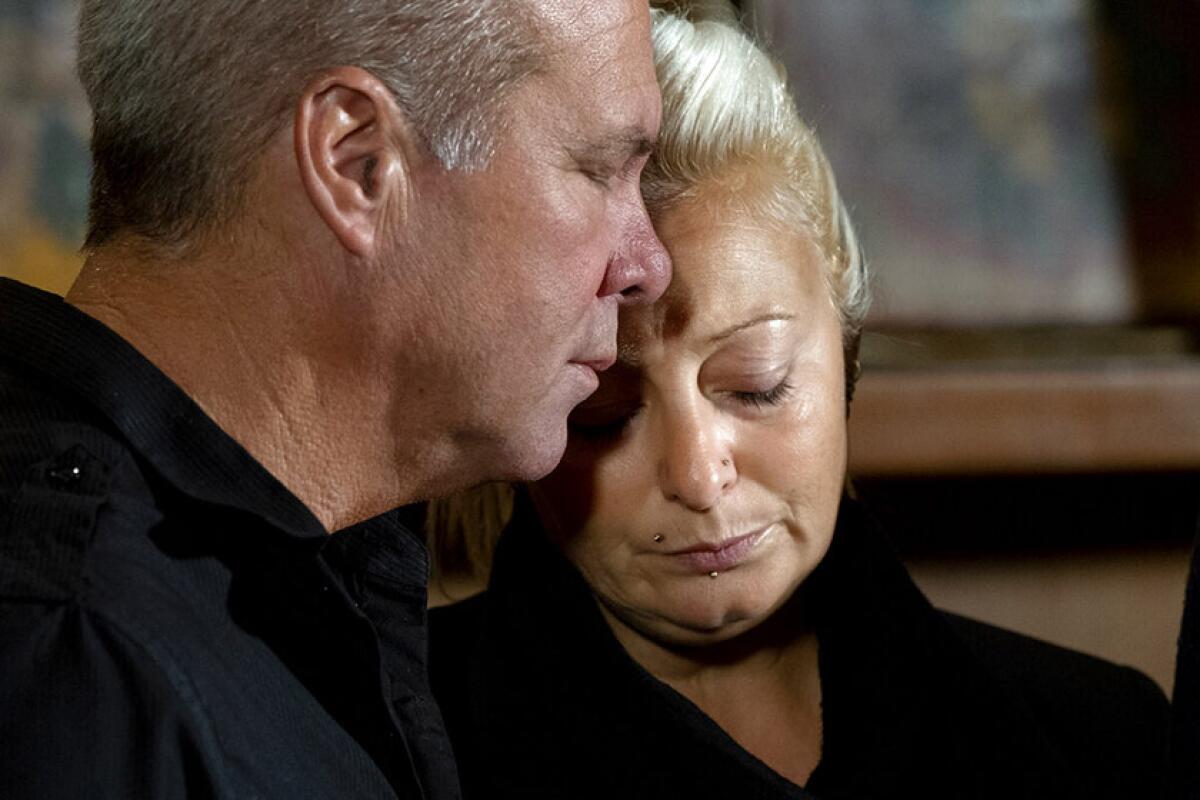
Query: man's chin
<point x="535" y="453"/>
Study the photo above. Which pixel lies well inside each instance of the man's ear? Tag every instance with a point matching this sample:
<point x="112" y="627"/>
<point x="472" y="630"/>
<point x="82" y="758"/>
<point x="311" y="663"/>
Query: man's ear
<point x="353" y="149"/>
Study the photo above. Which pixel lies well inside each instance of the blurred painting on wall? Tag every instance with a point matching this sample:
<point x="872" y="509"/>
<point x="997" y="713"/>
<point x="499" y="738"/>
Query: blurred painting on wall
<point x="966" y="136"/>
<point x="44" y="161"/>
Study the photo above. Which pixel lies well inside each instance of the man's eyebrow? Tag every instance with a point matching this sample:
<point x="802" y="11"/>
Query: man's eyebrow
<point x="741" y="326"/>
<point x="630" y="142"/>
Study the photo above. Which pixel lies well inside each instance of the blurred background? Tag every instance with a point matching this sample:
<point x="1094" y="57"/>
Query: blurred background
<point x="1025" y="176"/>
<point x="44" y="161"/>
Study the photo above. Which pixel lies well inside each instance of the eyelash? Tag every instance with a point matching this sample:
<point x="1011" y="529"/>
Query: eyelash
<point x="771" y="397"/>
<point x="600" y="178"/>
<point x="603" y="175"/>
<point x="756" y="400"/>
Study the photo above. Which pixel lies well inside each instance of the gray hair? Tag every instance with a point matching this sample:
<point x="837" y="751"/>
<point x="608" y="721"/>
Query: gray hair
<point x="186" y="93"/>
<point x="727" y="110"/>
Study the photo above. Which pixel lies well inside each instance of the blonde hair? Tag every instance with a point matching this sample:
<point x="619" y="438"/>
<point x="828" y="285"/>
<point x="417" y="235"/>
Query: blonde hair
<point x="727" y="112"/>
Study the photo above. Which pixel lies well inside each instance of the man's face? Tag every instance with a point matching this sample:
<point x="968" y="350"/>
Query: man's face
<point x="528" y="259"/>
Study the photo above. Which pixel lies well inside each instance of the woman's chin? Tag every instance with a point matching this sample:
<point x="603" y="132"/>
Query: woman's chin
<point x="708" y="621"/>
<point x="698" y="610"/>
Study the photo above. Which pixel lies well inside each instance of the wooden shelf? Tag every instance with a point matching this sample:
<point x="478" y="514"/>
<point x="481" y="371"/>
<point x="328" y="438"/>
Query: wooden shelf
<point x="1102" y="417"/>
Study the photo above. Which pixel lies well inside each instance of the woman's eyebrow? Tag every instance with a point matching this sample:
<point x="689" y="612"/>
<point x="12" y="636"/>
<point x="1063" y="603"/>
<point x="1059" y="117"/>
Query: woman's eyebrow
<point x="750" y="323"/>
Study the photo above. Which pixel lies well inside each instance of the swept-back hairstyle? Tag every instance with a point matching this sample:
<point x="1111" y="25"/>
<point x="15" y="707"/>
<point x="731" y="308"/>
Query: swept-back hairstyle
<point x="185" y="93"/>
<point x="727" y="112"/>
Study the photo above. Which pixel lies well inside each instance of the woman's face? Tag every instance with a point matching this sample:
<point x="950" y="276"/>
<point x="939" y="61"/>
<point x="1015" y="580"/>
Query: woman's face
<point x="701" y="481"/>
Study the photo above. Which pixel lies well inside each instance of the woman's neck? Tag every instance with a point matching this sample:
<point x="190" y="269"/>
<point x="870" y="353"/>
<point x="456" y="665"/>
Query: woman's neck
<point x="762" y="687"/>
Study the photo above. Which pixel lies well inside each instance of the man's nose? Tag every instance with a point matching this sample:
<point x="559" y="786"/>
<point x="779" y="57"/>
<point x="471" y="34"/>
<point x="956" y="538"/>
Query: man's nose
<point x="641" y="270"/>
<point x="697" y="463"/>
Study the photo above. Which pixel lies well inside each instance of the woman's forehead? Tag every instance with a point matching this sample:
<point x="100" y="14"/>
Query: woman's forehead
<point x="727" y="273"/>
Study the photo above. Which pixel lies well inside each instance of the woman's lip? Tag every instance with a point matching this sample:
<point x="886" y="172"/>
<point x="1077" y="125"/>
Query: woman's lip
<point x="719" y="557"/>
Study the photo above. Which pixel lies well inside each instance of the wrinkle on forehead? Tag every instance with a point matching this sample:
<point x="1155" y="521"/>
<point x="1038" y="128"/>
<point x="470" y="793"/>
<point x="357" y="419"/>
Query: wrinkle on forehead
<point x="599" y="59"/>
<point x="588" y="20"/>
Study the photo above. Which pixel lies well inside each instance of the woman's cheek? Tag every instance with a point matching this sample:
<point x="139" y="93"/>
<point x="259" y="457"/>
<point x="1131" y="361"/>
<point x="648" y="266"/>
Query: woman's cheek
<point x="590" y="490"/>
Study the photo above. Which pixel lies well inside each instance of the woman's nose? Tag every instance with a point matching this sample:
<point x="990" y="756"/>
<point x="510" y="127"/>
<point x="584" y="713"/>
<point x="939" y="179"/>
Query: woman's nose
<point x="697" y="465"/>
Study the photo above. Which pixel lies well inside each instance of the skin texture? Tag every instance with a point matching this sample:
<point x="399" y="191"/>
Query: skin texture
<point x="690" y="438"/>
<point x="377" y="330"/>
<point x="536" y="284"/>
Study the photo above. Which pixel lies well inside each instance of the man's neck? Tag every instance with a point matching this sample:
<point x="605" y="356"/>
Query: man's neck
<point x="268" y="372"/>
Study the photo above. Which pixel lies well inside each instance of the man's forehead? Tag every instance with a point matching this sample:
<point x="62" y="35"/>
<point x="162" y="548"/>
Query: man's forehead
<point x="609" y="105"/>
<point x="605" y="42"/>
<point x="567" y="21"/>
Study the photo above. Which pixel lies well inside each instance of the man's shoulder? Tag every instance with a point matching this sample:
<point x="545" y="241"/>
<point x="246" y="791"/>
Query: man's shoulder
<point x="64" y="474"/>
<point x="95" y="706"/>
<point x="74" y="512"/>
<point x="1097" y="713"/>
<point x="39" y="418"/>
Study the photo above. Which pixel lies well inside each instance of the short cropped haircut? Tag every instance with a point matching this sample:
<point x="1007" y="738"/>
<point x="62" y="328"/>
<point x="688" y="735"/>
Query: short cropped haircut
<point x="727" y="112"/>
<point x="185" y="94"/>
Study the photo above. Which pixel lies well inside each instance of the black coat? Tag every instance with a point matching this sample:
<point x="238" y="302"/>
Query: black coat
<point x="1184" y="780"/>
<point x="541" y="700"/>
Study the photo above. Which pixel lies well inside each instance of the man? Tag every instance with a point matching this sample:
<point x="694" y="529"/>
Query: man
<point x="341" y="257"/>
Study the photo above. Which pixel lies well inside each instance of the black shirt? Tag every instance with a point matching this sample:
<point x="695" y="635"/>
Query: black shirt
<point x="541" y="700"/>
<point x="173" y="621"/>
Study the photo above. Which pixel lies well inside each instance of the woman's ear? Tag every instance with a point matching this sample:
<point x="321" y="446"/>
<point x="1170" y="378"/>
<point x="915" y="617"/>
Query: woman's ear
<point x="354" y="148"/>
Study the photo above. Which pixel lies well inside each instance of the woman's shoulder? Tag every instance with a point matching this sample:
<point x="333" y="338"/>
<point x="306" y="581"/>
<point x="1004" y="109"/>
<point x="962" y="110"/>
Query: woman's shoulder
<point x="454" y="634"/>
<point x="461" y="616"/>
<point x="1059" y="675"/>
<point x="454" y="631"/>
<point x="1097" y="713"/>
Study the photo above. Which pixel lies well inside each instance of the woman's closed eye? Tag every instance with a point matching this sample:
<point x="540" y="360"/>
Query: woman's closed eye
<point x="774" y="396"/>
<point x="609" y="420"/>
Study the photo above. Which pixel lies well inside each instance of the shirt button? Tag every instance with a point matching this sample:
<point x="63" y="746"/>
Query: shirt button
<point x="65" y="476"/>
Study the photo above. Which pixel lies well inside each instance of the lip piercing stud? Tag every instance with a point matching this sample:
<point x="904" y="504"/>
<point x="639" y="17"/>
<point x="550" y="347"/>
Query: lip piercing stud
<point x="713" y="574"/>
<point x="658" y="537"/>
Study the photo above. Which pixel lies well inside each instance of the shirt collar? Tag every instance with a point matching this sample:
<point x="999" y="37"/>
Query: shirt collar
<point x="168" y="430"/>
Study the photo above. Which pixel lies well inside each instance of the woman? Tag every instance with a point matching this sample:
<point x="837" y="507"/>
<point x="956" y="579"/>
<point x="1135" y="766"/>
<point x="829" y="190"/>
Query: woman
<point x="690" y="606"/>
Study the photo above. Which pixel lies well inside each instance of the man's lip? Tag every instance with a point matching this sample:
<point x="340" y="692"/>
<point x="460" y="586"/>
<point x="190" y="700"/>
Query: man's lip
<point x="598" y="364"/>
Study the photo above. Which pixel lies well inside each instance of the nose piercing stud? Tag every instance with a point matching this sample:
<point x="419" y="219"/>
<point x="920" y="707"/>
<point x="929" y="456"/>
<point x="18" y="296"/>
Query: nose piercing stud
<point x="724" y="462"/>
<point x="713" y="574"/>
<point x="658" y="537"/>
